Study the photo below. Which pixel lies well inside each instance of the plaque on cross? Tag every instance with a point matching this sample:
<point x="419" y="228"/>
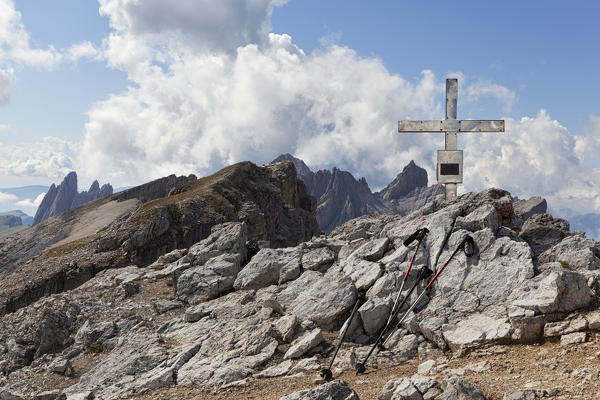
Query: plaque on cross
<point x="450" y="160"/>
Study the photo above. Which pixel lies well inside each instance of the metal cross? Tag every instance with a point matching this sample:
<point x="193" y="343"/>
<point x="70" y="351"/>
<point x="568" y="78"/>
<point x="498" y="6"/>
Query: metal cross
<point x="449" y="164"/>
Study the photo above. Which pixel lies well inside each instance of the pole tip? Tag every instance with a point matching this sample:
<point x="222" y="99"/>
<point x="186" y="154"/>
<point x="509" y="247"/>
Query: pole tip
<point x="326" y="374"/>
<point x="360" y="368"/>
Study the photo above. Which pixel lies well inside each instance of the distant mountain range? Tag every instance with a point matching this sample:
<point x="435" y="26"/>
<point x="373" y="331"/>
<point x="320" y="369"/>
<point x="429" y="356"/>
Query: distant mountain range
<point x="65" y="197"/>
<point x="340" y="197"/>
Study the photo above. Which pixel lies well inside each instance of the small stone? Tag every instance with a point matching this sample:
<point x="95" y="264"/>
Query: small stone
<point x="480" y="366"/>
<point x="286" y="326"/>
<point x="426" y="367"/>
<point x="51" y="395"/>
<point x="304" y="344"/>
<point x="573" y="338"/>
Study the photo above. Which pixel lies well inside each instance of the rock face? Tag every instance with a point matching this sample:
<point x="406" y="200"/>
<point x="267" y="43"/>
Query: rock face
<point x="340" y="197"/>
<point x="270" y="199"/>
<point x="411" y="177"/>
<point x="65" y="197"/>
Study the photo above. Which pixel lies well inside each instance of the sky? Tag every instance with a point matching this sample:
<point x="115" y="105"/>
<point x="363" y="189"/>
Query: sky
<point x="125" y="91"/>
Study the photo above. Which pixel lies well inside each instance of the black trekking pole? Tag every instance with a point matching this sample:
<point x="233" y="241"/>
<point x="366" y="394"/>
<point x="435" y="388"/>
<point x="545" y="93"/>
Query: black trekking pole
<point x="326" y="372"/>
<point x="467" y="244"/>
<point x="418" y="235"/>
<point x="423" y="274"/>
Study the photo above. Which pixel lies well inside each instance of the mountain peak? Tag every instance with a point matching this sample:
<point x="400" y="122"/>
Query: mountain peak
<point x="411" y="177"/>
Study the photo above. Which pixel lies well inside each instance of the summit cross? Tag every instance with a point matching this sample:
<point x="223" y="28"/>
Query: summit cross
<point x="450" y="160"/>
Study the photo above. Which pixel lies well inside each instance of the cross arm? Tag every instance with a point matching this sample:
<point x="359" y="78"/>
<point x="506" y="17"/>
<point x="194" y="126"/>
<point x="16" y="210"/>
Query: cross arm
<point x="480" y="126"/>
<point x="451" y="125"/>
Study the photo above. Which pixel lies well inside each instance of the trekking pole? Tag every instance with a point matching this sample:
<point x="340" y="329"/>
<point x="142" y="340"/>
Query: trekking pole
<point x="418" y="235"/>
<point x="326" y="372"/>
<point x="424" y="273"/>
<point x="467" y="245"/>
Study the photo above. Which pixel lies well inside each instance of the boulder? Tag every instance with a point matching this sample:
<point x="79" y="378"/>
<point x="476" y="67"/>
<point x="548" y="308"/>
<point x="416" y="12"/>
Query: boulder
<point x="574" y="252"/>
<point x="304" y="344"/>
<point x="323" y="299"/>
<point x="334" y="390"/>
<point x="317" y="258"/>
<point x="208" y="281"/>
<point x="542" y="231"/>
<point x="529" y="207"/>
<point x="264" y="268"/>
<point x="456" y="388"/>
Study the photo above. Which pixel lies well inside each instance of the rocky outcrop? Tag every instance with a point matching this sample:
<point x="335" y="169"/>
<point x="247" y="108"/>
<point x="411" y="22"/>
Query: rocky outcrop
<point x="65" y="197"/>
<point x="270" y="199"/>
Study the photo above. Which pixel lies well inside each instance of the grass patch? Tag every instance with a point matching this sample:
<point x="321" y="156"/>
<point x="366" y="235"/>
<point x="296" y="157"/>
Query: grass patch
<point x="67" y="248"/>
<point x="96" y="348"/>
<point x="566" y="265"/>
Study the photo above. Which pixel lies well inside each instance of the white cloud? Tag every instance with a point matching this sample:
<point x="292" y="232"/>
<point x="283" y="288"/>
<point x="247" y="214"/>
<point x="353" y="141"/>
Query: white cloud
<point x="4" y="127"/>
<point x="223" y="25"/>
<point x="210" y="87"/>
<point x="535" y="156"/>
<point x="31" y="204"/>
<point x="15" y="44"/>
<point x="6" y="81"/>
<point x="482" y="88"/>
<point x="52" y="158"/>
<point x="7" y="197"/>
<point x="83" y="50"/>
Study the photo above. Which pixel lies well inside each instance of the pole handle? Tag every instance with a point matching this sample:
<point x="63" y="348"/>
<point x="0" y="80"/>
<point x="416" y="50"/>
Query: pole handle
<point x="419" y="234"/>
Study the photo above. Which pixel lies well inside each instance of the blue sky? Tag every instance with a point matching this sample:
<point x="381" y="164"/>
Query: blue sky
<point x="124" y="92"/>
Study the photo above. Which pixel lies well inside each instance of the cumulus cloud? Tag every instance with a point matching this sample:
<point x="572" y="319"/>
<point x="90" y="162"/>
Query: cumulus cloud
<point x="196" y="105"/>
<point x="15" y="43"/>
<point x="7" y="197"/>
<point x="83" y="50"/>
<point x="535" y="156"/>
<point x="52" y="158"/>
<point x="31" y="204"/>
<point x="202" y="24"/>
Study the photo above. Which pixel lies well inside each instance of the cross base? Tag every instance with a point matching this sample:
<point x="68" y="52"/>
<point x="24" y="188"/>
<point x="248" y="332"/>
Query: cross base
<point x="450" y="191"/>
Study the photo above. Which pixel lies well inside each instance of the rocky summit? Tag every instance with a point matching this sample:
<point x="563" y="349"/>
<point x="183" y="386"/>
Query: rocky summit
<point x="254" y="307"/>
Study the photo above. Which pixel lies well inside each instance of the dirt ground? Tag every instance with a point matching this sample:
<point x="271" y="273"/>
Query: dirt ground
<point x="574" y="370"/>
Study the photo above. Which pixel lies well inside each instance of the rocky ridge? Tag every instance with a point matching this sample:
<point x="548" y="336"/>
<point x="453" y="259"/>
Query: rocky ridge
<point x="65" y="197"/>
<point x="67" y="250"/>
<point x="218" y="314"/>
<point x="340" y="197"/>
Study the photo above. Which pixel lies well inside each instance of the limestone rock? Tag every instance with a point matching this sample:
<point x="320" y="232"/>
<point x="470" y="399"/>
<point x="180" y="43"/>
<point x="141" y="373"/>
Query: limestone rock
<point x="334" y="390"/>
<point x="323" y="299"/>
<point x="476" y="330"/>
<point x="485" y="216"/>
<point x="317" y="258"/>
<point x="286" y="326"/>
<point x="529" y="207"/>
<point x="7" y="395"/>
<point x="554" y="290"/>
<point x="263" y="270"/>
<point x="573" y="338"/>
<point x="542" y="231"/>
<point x="276" y="370"/>
<point x="208" y="281"/>
<point x="405" y="390"/>
<point x="576" y="252"/>
<point x="303" y="344"/>
<point x="55" y="394"/>
<point x="456" y="388"/>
